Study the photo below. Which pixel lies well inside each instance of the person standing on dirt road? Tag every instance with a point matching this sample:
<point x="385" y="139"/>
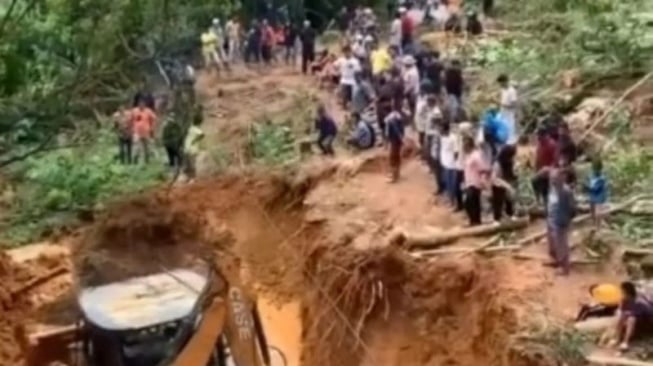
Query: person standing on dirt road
<point x="307" y="38"/>
<point x="348" y="66"/>
<point x="143" y="122"/>
<point x="267" y="41"/>
<point x="475" y="173"/>
<point x="560" y="212"/>
<point x="326" y="131"/>
<point x="394" y="123"/>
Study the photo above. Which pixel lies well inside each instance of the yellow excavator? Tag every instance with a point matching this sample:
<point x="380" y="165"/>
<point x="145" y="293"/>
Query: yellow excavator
<point x="179" y="317"/>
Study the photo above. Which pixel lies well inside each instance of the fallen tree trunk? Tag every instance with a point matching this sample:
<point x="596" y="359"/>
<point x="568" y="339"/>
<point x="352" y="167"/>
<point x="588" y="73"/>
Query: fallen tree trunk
<point x="615" y="361"/>
<point x="463" y="251"/>
<point x="580" y="219"/>
<point x="435" y="240"/>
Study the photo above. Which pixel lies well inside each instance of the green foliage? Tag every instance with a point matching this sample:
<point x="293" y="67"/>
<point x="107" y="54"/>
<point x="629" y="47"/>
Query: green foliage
<point x="272" y="143"/>
<point x="567" y="345"/>
<point x="630" y="171"/>
<point x="65" y="181"/>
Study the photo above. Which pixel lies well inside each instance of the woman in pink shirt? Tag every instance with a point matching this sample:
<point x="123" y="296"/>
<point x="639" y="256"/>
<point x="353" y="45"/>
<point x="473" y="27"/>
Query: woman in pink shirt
<point x="476" y="173"/>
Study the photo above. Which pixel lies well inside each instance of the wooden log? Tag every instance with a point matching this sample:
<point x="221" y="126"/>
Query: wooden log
<point x="463" y="250"/>
<point x="543" y="258"/>
<point x="37" y="281"/>
<point x="435" y="240"/>
<point x="596" y="325"/>
<point x="614" y="361"/>
<point x="635" y="252"/>
<point x="580" y="219"/>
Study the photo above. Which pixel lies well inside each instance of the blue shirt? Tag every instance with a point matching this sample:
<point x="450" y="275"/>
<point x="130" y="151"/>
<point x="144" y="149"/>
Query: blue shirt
<point x="326" y="126"/>
<point x="598" y="188"/>
<point x="495" y="127"/>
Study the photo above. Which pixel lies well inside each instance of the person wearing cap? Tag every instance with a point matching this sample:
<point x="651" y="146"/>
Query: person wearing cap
<point x="307" y="38"/>
<point x="411" y="83"/>
<point x="348" y="66"/>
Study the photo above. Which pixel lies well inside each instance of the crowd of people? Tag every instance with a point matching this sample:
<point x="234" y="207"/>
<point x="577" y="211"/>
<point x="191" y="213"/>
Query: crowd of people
<point x="403" y="84"/>
<point x="138" y="134"/>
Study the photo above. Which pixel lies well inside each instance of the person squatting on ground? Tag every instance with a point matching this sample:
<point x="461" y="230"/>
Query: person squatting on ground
<point x="635" y="317"/>
<point x="307" y="38"/>
<point x="326" y="131"/>
<point x="394" y="124"/>
<point x="363" y="136"/>
<point x="560" y="212"/>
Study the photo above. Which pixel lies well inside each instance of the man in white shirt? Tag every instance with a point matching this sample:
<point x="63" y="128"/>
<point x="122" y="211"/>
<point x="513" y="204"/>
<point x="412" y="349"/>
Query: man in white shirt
<point x="232" y="29"/>
<point x="411" y="83"/>
<point x="508" y="111"/>
<point x="348" y="66"/>
<point x="448" y="152"/>
<point x="395" y="31"/>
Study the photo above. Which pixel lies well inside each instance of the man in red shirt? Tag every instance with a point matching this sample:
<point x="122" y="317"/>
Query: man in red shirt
<point x="407" y="29"/>
<point x="268" y="38"/>
<point x="143" y="123"/>
<point x="546" y="157"/>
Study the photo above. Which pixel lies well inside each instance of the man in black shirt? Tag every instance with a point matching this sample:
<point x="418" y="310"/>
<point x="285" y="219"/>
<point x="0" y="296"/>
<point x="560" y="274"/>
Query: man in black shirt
<point x="433" y="71"/>
<point x="307" y="38"/>
<point x="289" y="40"/>
<point x="454" y="84"/>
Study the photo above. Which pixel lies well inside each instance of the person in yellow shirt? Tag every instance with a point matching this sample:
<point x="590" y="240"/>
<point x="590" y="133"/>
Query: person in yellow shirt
<point x="209" y="49"/>
<point x="381" y="60"/>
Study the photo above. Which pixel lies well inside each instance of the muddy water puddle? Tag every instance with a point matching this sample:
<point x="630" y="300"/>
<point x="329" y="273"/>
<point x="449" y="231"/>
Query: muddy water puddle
<point x="283" y="329"/>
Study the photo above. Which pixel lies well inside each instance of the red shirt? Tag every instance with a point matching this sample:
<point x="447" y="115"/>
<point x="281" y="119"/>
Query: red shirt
<point x="407" y="26"/>
<point x="546" y="153"/>
<point x="268" y="36"/>
<point x="143" y="122"/>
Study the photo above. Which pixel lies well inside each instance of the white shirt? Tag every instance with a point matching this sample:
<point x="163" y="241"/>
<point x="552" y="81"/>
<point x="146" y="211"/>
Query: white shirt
<point x="459" y="161"/>
<point x="359" y="50"/>
<point x="448" y="151"/>
<point x="348" y="67"/>
<point x="411" y="80"/>
<point x="434" y="116"/>
<point x="395" y="32"/>
<point x="509" y="112"/>
<point x="421" y="114"/>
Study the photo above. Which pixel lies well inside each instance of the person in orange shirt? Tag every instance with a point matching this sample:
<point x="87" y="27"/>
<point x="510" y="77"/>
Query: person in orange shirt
<point x="143" y="122"/>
